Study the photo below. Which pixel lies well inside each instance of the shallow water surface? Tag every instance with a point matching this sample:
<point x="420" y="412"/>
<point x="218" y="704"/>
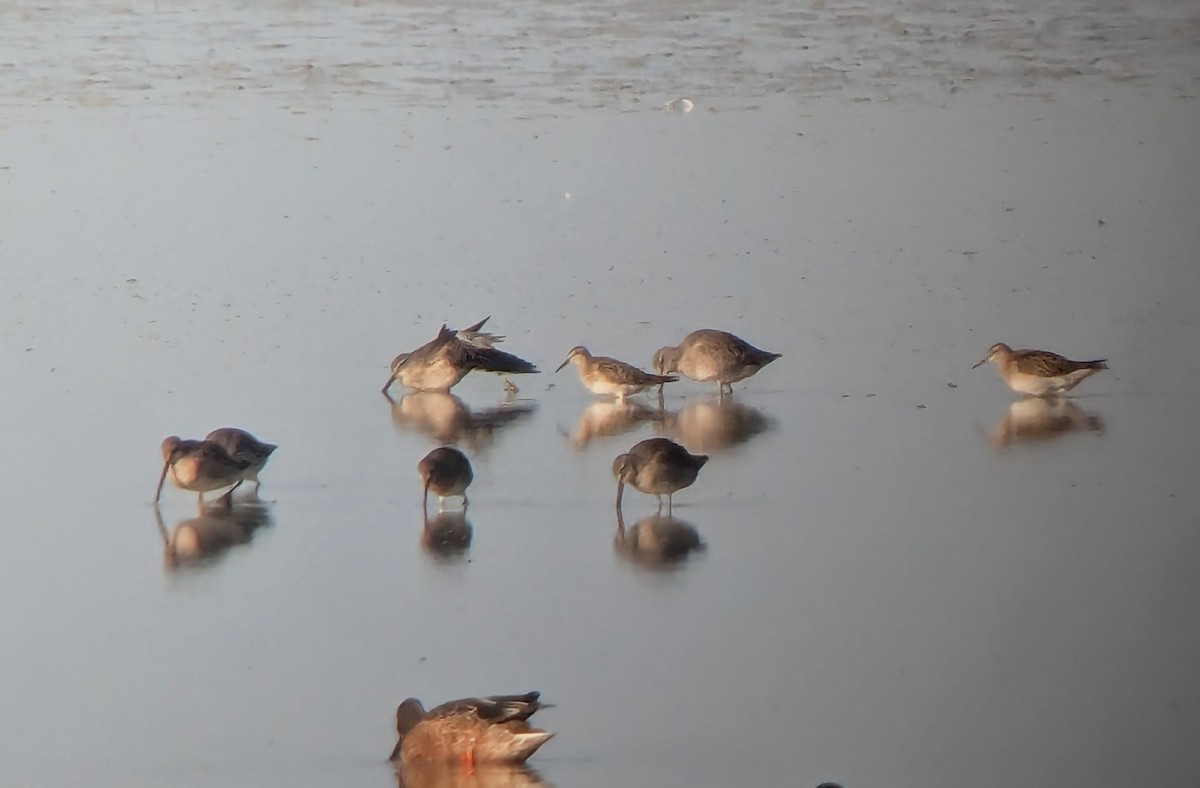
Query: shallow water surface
<point x="907" y="576"/>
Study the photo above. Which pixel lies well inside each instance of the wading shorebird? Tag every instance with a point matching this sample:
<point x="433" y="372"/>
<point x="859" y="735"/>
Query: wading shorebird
<point x="241" y="445"/>
<point x="658" y="467"/>
<point x="604" y="375"/>
<point x="199" y="467"/>
<point x="709" y="354"/>
<point x="468" y="731"/>
<point x="447" y="472"/>
<point x="1039" y="372"/>
<point x="441" y="363"/>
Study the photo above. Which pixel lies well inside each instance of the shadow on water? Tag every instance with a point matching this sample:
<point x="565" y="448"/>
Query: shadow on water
<point x="454" y="776"/>
<point x="446" y="419"/>
<point x="715" y="424"/>
<point x="1033" y="420"/>
<point x="607" y="418"/>
<point x="446" y="536"/>
<point x="204" y="539"/>
<point x="657" y="542"/>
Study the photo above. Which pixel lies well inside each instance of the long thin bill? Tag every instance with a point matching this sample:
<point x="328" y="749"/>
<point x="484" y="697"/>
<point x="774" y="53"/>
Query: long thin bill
<point x="161" y="480"/>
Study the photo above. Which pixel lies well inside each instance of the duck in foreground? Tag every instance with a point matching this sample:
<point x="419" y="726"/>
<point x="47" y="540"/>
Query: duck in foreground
<point x="492" y="729"/>
<point x="241" y="445"/>
<point x="441" y="363"/>
<point x="709" y="354"/>
<point x="604" y="375"/>
<point x="447" y="472"/>
<point x="199" y="467"/>
<point x="1039" y="372"/>
<point x="658" y="467"/>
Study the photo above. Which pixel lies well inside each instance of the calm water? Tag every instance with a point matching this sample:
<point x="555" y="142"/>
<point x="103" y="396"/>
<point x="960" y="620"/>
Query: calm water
<point x="909" y="579"/>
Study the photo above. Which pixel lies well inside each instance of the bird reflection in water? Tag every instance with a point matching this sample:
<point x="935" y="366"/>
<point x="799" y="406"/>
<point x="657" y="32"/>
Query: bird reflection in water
<point x="1041" y="419"/>
<point x="447" y="419"/>
<point x="447" y="535"/>
<point x="716" y="424"/>
<point x="657" y="541"/>
<point x="606" y="418"/>
<point x="481" y="776"/>
<point x="201" y="540"/>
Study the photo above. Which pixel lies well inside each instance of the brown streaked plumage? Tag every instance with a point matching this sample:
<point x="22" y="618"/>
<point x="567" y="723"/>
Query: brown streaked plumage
<point x="199" y="467"/>
<point x="241" y="445"/>
<point x="447" y="472"/>
<point x="709" y="354"/>
<point x="1039" y="373"/>
<point x="491" y="729"/>
<point x="658" y="467"/>
<point x="441" y="363"/>
<point x="604" y="375"/>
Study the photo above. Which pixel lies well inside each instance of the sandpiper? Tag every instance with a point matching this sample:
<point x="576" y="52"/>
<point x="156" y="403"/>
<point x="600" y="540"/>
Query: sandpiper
<point x="447" y="472"/>
<point x="241" y="445"/>
<point x="199" y="467"/>
<point x="604" y="375"/>
<point x="1039" y="372"/>
<point x="658" y="467"/>
<point x="441" y="363"/>
<point x="468" y="731"/>
<point x="709" y="354"/>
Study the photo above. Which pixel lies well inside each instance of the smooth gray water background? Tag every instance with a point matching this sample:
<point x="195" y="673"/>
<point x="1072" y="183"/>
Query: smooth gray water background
<point x="237" y="214"/>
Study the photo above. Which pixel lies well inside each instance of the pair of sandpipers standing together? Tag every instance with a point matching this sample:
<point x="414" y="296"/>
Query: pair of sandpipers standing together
<point x="495" y="729"/>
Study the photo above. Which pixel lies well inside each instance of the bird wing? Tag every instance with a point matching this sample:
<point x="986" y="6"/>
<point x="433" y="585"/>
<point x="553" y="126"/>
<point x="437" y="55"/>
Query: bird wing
<point x="620" y="372"/>
<point x="1044" y="364"/>
<point x="490" y="360"/>
<point x="494" y="709"/>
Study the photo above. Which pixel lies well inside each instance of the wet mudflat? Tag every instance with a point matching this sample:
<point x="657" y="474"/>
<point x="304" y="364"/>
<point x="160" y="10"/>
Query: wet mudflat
<point x="908" y="575"/>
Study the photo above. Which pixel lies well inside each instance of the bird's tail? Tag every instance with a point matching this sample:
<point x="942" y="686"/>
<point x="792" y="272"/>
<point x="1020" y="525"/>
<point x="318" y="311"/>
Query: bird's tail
<point x="526" y="744"/>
